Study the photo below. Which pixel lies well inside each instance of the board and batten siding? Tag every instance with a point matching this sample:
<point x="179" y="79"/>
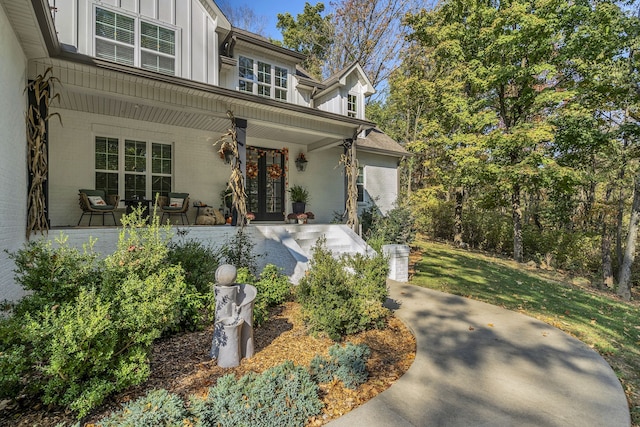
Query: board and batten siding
<point x="381" y="180"/>
<point x="13" y="161"/>
<point x="196" y="38"/>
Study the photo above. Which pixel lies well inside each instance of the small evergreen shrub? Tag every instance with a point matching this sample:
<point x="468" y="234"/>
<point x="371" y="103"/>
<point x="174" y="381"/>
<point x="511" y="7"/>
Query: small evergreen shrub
<point x="285" y="395"/>
<point x="158" y="408"/>
<point x="398" y="226"/>
<point x="343" y="296"/>
<point x="347" y="363"/>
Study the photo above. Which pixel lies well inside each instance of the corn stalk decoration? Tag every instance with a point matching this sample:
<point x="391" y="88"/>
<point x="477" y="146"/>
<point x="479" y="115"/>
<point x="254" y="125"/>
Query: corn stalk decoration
<point x="42" y="90"/>
<point x="229" y="142"/>
<point x="350" y="163"/>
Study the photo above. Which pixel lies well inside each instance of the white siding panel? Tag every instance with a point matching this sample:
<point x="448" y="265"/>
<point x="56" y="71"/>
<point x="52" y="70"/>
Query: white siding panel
<point x="183" y="20"/>
<point x="380" y="180"/>
<point x="13" y="170"/>
<point x="210" y="52"/>
<point x="130" y="5"/>
<point x="198" y="45"/>
<point x="167" y="11"/>
<point x="149" y="8"/>
<point x="65" y="21"/>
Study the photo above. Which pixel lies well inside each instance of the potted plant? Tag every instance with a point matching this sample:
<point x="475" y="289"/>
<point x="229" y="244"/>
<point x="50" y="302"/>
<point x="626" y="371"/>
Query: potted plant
<point x="299" y="198"/>
<point x="302" y="218"/>
<point x="250" y="217"/>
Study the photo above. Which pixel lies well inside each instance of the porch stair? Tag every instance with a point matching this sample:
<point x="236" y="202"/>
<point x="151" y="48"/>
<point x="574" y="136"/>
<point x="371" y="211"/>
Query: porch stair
<point x="299" y="241"/>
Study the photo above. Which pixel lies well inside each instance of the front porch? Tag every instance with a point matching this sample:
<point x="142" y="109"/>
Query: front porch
<point x="286" y="245"/>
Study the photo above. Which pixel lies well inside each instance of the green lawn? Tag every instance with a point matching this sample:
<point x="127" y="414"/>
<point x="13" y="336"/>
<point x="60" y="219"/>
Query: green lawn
<point x="598" y="319"/>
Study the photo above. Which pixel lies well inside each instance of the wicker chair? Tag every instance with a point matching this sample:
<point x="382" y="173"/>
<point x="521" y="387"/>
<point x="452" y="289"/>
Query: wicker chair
<point x="165" y="205"/>
<point x="92" y="206"/>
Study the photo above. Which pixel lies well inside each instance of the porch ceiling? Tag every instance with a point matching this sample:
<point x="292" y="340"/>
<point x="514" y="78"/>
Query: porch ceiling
<point x="98" y="91"/>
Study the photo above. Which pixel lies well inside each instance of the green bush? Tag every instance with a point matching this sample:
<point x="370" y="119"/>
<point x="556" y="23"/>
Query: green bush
<point x="396" y="227"/>
<point x="347" y="363"/>
<point x="94" y="337"/>
<point x="54" y="275"/>
<point x="238" y="251"/>
<point x="273" y="285"/>
<point x="155" y="409"/>
<point x="198" y="261"/>
<point x="343" y="296"/>
<point x="285" y="395"/>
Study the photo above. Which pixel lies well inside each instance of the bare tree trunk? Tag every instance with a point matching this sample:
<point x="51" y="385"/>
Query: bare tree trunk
<point x="624" y="278"/>
<point x="605" y="245"/>
<point x="620" y="215"/>
<point x="516" y="210"/>
<point x="457" y="220"/>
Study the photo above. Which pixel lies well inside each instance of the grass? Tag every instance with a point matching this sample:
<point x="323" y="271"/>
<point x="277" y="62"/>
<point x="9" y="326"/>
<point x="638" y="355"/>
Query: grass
<point x="598" y="319"/>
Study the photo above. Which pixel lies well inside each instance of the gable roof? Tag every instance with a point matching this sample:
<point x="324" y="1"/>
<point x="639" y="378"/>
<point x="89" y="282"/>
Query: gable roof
<point x="340" y="79"/>
<point x="376" y="141"/>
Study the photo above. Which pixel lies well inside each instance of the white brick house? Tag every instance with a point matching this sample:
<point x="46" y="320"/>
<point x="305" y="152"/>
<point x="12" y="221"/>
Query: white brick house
<point x="145" y="89"/>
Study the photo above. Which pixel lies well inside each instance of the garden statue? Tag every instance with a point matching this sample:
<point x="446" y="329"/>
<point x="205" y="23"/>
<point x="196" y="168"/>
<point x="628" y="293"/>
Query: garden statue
<point x="233" y="326"/>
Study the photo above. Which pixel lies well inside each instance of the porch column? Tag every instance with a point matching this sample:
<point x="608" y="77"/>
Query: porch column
<point x="241" y="139"/>
<point x="351" y="175"/>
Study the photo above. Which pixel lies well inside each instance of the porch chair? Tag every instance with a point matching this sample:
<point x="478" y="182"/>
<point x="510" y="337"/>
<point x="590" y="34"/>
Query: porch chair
<point x="174" y="204"/>
<point x="98" y="203"/>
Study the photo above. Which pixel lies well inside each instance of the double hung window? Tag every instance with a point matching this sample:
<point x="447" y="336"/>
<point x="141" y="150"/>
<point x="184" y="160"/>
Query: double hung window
<point x="124" y="166"/>
<point x="352" y="105"/>
<point x="133" y="41"/>
<point x="262" y="78"/>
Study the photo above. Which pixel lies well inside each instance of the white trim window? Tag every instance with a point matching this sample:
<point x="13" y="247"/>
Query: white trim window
<point x="262" y="78"/>
<point x="352" y="105"/>
<point x="132" y="41"/>
<point x="124" y="167"/>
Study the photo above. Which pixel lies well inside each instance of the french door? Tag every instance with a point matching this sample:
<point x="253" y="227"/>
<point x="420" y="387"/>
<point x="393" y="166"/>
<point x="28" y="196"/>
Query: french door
<point x="265" y="187"/>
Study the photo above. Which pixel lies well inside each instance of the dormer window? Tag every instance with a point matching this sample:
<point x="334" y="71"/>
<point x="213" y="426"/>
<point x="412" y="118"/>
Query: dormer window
<point x="262" y="78"/>
<point x="352" y="105"/>
<point x="131" y="41"/>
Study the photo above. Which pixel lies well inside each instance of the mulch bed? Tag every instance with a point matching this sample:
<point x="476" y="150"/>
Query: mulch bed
<point x="181" y="365"/>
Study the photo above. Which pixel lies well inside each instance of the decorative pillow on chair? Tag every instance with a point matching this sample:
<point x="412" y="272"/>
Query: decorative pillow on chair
<point x="96" y="201"/>
<point x="175" y="203"/>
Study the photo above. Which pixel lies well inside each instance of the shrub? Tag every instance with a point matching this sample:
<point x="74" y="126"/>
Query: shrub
<point x="238" y="251"/>
<point x="396" y="227"/>
<point x="343" y="296"/>
<point x="55" y="275"/>
<point x="198" y="261"/>
<point x="94" y="337"/>
<point x="285" y="395"/>
<point x="273" y="285"/>
<point x="273" y="288"/>
<point x="156" y="408"/>
<point x="347" y="363"/>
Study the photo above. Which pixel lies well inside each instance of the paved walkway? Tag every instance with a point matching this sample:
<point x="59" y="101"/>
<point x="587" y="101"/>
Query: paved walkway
<point x="480" y="365"/>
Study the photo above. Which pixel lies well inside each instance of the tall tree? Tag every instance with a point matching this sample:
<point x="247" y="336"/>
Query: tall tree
<point x="309" y="33"/>
<point x="369" y="32"/>
<point x="509" y="48"/>
<point x="244" y="17"/>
